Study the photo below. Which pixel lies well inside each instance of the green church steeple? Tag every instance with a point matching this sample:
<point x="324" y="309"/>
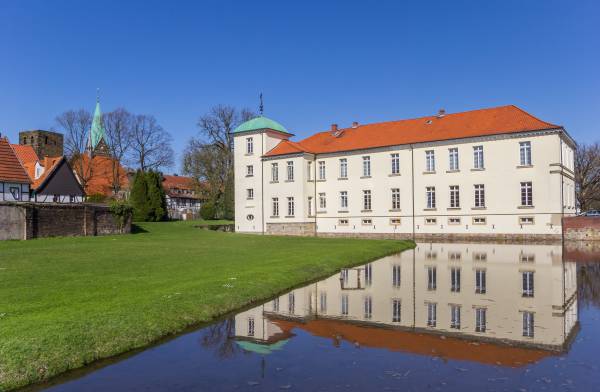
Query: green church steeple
<point x="97" y="131"/>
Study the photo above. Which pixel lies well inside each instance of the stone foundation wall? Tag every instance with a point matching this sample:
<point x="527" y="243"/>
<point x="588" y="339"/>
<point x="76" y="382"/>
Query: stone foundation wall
<point x="496" y="238"/>
<point x="298" y="229"/>
<point x="26" y="221"/>
<point x="581" y="228"/>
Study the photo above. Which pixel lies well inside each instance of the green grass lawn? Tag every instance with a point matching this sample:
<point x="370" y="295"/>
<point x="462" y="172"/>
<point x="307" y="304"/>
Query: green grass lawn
<point x="65" y="302"/>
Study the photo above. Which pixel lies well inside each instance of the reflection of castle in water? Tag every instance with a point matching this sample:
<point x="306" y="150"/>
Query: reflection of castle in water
<point x="491" y="303"/>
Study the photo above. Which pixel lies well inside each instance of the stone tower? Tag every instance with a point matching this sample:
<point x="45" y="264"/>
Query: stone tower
<point x="44" y="143"/>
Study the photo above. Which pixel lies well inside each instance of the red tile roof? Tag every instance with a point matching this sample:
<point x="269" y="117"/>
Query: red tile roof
<point x="177" y="182"/>
<point x="482" y="122"/>
<point x="10" y="166"/>
<point x="101" y="179"/>
<point x="25" y="153"/>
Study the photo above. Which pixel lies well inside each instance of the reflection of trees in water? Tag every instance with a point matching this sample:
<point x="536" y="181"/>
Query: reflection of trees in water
<point x="221" y="338"/>
<point x="588" y="277"/>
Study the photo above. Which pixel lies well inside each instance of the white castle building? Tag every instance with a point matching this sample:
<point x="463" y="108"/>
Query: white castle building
<point x="489" y="173"/>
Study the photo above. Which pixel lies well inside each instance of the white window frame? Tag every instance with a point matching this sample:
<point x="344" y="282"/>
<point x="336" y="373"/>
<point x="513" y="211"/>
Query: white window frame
<point x="525" y="153"/>
<point x="480" y="320"/>
<point x="478" y="162"/>
<point x="249" y="170"/>
<point x="275" y="204"/>
<point x="396" y="310"/>
<point x="430" y="197"/>
<point x="431" y="314"/>
<point x="395" y="198"/>
<point x="395" y="157"/>
<point x="454" y="196"/>
<point x="250" y="194"/>
<point x="249" y="146"/>
<point x="366" y="166"/>
<point x="527" y="194"/>
<point x="528" y="278"/>
<point x="396" y="275"/>
<point x="528" y="324"/>
<point x="291" y="206"/>
<point x="480" y="281"/>
<point x="290" y="171"/>
<point x="367" y="200"/>
<point x="454" y="316"/>
<point x="275" y="172"/>
<point x="322" y="201"/>
<point x="479" y="196"/>
<point x="343" y="168"/>
<point x="343" y="200"/>
<point x="453" y="164"/>
<point x="322" y="172"/>
<point x="431" y="278"/>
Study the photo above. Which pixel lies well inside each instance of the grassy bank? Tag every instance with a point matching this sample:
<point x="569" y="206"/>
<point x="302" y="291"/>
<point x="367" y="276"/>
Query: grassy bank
<point x="66" y="302"/>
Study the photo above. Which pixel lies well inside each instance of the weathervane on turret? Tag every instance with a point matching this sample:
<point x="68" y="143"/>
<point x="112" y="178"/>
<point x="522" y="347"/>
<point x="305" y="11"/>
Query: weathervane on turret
<point x="261" y="106"/>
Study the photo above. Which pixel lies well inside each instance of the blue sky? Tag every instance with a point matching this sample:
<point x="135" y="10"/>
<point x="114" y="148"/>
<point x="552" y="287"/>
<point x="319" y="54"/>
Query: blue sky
<point x="316" y="63"/>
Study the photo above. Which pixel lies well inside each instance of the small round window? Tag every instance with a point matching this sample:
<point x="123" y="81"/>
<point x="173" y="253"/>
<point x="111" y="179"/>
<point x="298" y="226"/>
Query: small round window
<point x="250" y="217"/>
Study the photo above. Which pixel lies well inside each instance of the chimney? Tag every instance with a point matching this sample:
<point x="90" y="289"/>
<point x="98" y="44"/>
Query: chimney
<point x="334" y="127"/>
<point x="355" y="124"/>
<point x="441" y="113"/>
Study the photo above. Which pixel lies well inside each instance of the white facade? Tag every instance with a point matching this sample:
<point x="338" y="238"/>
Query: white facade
<point x="502" y="305"/>
<point x="13" y="191"/>
<point x="511" y="184"/>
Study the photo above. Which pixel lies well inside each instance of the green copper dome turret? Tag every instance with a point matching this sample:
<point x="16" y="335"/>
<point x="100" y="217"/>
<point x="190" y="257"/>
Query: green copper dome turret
<point x="260" y="123"/>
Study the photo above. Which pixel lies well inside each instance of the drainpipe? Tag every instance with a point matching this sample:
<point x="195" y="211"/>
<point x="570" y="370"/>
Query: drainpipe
<point x="412" y="167"/>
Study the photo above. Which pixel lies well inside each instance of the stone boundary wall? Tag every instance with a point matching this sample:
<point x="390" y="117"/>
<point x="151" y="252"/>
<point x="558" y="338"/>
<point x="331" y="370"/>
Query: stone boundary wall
<point x="24" y="221"/>
<point x="581" y="228"/>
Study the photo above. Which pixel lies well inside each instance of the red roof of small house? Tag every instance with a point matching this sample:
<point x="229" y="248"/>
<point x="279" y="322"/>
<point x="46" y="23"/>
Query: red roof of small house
<point x="173" y="183"/>
<point x="101" y="179"/>
<point x="25" y="153"/>
<point x="482" y="122"/>
<point x="11" y="168"/>
<point x="49" y="164"/>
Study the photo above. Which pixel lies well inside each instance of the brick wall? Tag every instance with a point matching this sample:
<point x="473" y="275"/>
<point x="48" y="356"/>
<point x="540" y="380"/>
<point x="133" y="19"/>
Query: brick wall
<point x="36" y="220"/>
<point x="581" y="228"/>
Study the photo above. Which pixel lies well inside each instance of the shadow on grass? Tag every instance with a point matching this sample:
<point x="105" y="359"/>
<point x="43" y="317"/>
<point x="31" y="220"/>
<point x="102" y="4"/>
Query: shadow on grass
<point x="135" y="229"/>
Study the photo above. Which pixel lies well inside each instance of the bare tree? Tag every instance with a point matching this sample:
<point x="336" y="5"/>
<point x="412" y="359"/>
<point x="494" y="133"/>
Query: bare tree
<point x="209" y="158"/>
<point x="587" y="176"/>
<point x="76" y="125"/>
<point x="118" y="127"/>
<point x="151" y="144"/>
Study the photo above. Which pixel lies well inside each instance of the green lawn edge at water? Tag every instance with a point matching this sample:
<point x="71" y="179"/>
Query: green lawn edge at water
<point x="65" y="302"/>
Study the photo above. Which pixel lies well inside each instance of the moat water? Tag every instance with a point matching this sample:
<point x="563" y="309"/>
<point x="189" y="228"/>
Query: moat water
<point x="441" y="317"/>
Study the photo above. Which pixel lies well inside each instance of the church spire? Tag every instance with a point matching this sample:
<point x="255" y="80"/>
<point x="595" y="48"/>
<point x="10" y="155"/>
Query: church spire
<point x="97" y="131"/>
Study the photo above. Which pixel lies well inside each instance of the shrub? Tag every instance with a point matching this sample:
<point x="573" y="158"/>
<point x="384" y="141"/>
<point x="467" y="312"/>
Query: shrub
<point x="96" y="198"/>
<point x="208" y="210"/>
<point x="122" y="211"/>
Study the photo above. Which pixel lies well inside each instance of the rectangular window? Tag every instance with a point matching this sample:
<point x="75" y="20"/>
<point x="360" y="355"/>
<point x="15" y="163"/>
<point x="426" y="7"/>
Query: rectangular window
<point x="453" y="159"/>
<point x="323" y="302"/>
<point x="249" y="171"/>
<point x="525" y="153"/>
<point x="526" y="194"/>
<point x="275" y="172"/>
<point x="322" y="201"/>
<point x="479" y="256"/>
<point x="395" y="221"/>
<point x="343" y="168"/>
<point x="321" y="170"/>
<point x="396" y="310"/>
<point x="367" y="200"/>
<point x="368" y="307"/>
<point x="430" y="161"/>
<point x="528" y="284"/>
<point x="344" y="200"/>
<point x="455" y="280"/>
<point x="480" y="319"/>
<point x="431" y="278"/>
<point x="480" y="285"/>
<point x="366" y="166"/>
<point x="396" y="275"/>
<point x="276" y="304"/>
<point x="395" y="163"/>
<point x="249" y="146"/>
<point x="478" y="157"/>
<point x="527" y="257"/>
<point x="368" y="274"/>
<point x="310" y="206"/>
<point x="455" y="316"/>
<point x="345" y="304"/>
<point x="309" y="170"/>
<point x="275" y="206"/>
<point x="526" y="220"/>
<point x="250" y="194"/>
<point x="479" y="220"/>
<point x="291" y="303"/>
<point x="395" y="198"/>
<point x="290" y="201"/>
<point x="479" y="195"/>
<point x="343" y="222"/>
<point x="528" y="326"/>
<point x="454" y="221"/>
<point x="454" y="196"/>
<point x="290" y="170"/>
<point x="430" y="197"/>
<point x="250" y="326"/>
<point x="430" y="221"/>
<point x="431" y="314"/>
<point x="367" y="221"/>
